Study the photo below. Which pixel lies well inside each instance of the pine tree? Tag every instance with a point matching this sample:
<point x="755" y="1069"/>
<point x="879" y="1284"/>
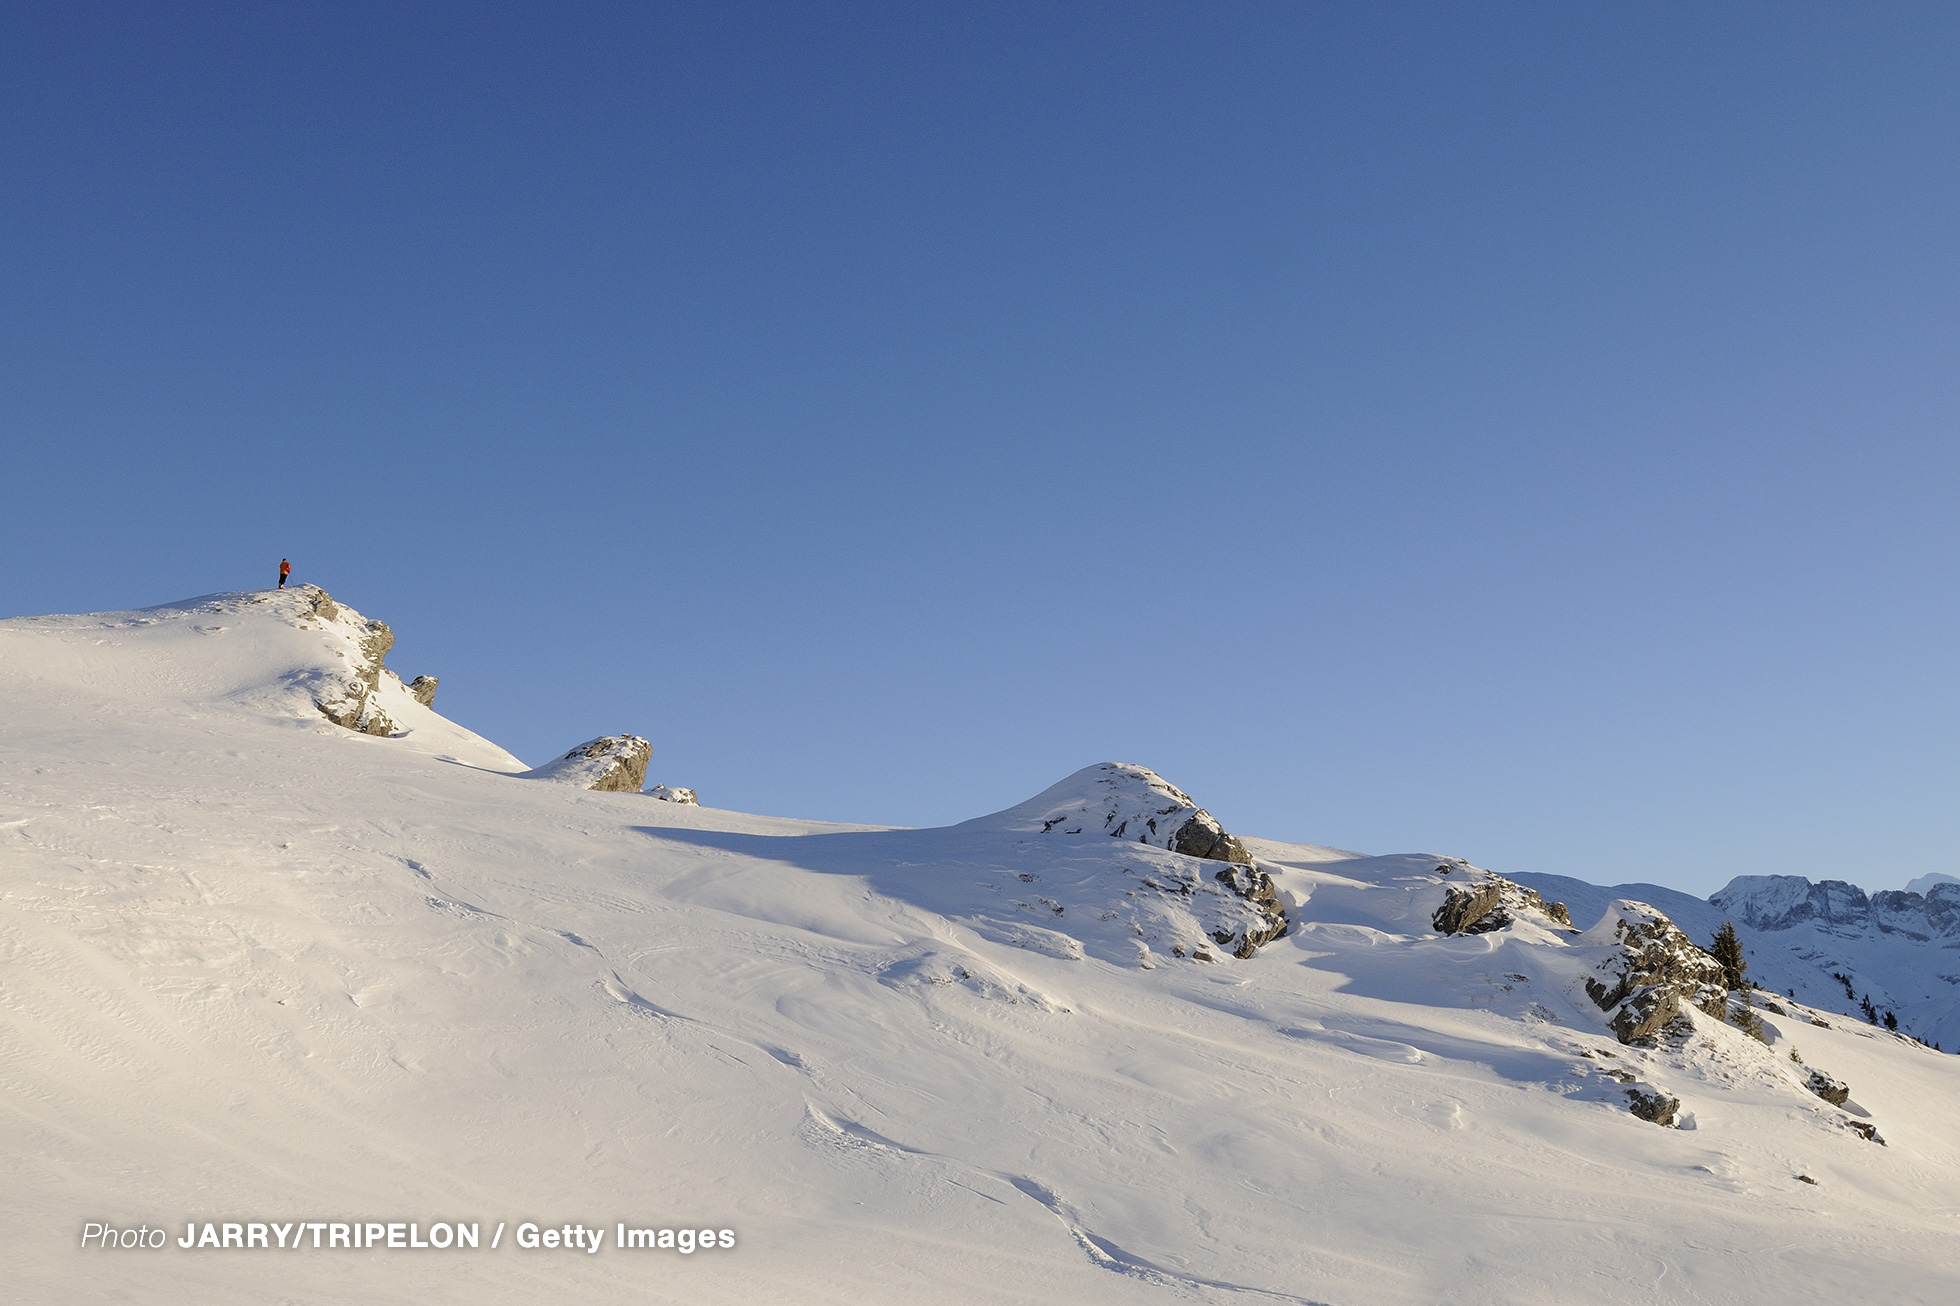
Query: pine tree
<point x="1728" y="951"/>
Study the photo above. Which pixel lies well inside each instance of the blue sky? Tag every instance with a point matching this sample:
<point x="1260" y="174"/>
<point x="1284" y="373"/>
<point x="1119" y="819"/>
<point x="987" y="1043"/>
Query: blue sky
<point x="1516" y="431"/>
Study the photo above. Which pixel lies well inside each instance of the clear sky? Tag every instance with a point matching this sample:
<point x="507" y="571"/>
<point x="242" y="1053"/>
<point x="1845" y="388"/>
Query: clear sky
<point x="1517" y="431"/>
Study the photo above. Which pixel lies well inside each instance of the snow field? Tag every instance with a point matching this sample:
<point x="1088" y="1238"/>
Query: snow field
<point x="257" y="966"/>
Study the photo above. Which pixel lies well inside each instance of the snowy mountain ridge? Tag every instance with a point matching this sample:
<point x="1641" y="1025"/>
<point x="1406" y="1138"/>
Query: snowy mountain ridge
<point x="261" y="956"/>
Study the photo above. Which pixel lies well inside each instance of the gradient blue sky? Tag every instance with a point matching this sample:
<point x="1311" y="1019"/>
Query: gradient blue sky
<point x="1518" y="431"/>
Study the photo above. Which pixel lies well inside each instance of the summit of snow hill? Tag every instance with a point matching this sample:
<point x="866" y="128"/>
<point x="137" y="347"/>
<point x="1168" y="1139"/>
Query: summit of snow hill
<point x="280" y="938"/>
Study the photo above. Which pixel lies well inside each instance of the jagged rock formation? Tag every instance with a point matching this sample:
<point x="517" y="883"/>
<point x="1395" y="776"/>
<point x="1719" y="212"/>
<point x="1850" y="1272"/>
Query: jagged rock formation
<point x="1491" y="903"/>
<point x="1202" y="836"/>
<point x="424" y="689"/>
<point x="1256" y="887"/>
<point x="350" y="703"/>
<point x="673" y="794"/>
<point x="1834" y="1091"/>
<point x="1649" y="970"/>
<point x="614" y="763"/>
<point x="1470" y="909"/>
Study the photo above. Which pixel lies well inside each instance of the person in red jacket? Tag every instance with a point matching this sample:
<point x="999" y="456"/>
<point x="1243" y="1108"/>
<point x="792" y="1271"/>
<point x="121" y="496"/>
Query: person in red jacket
<point x="285" y="570"/>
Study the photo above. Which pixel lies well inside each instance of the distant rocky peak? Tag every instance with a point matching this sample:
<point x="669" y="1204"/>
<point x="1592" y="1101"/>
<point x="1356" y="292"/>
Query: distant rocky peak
<point x="1782" y="902"/>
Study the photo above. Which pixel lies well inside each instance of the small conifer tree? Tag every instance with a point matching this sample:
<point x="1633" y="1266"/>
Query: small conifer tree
<point x="1728" y="951"/>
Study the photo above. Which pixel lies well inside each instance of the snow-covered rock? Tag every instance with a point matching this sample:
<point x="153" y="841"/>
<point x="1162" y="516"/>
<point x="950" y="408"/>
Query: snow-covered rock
<point x="613" y="763"/>
<point x="674" y="794"/>
<point x="1649" y="971"/>
<point x="352" y="699"/>
<point x="424" y="690"/>
<point x="1832" y="1090"/>
<point x="1483" y="901"/>
<point x="1124" y="801"/>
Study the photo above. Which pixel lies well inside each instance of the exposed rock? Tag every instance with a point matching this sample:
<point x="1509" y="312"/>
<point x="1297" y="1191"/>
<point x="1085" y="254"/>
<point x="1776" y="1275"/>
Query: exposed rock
<point x="424" y="689"/>
<point x="1202" y="836"/>
<point x="672" y="794"/>
<point x="1657" y="1107"/>
<point x="1256" y="887"/>
<point x="1479" y="906"/>
<point x="1834" y="1091"/>
<point x="1649" y="970"/>
<point x="614" y="763"/>
<point x="359" y="713"/>
<point x="1468" y="907"/>
<point x="350" y="702"/>
<point x="1866" y="1130"/>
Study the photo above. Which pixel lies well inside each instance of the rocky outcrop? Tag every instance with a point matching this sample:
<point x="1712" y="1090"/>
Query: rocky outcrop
<point x="673" y="794"/>
<point x="350" y="702"/>
<point x="1834" y="1091"/>
<point x="1655" y="1106"/>
<point x="613" y="763"/>
<point x="1491" y="903"/>
<point x="424" y="689"/>
<point x="1202" y="836"/>
<point x="1649" y="969"/>
<point x="1471" y="909"/>
<point x="1256" y="887"/>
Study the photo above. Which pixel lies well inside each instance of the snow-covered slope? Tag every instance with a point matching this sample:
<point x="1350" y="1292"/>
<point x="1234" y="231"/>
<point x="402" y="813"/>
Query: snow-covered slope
<point x="293" y="658"/>
<point x="261" y="967"/>
<point x="1828" y="943"/>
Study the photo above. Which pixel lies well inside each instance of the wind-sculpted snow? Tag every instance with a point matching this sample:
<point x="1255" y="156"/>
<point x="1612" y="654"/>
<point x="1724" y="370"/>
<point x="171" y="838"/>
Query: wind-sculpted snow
<point x="260" y="966"/>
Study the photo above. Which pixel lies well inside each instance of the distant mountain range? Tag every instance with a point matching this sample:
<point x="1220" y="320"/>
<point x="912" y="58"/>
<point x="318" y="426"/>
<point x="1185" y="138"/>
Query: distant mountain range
<point x="1827" y="943"/>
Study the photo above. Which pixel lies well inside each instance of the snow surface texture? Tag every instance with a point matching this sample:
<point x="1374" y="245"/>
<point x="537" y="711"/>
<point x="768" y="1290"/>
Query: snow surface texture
<point x="261" y="966"/>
